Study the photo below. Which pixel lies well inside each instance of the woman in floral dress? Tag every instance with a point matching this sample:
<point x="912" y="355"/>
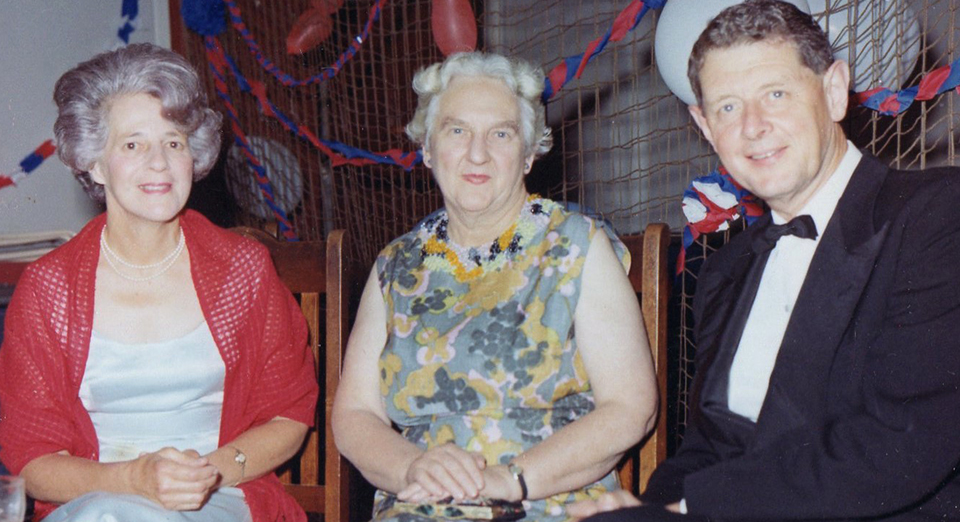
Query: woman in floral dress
<point x="501" y="335"/>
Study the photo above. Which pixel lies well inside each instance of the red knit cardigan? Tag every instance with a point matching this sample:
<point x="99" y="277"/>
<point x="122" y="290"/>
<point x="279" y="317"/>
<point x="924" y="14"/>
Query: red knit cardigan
<point x="256" y="323"/>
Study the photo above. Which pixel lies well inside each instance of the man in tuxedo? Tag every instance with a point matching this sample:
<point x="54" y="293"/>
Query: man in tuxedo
<point x="828" y="365"/>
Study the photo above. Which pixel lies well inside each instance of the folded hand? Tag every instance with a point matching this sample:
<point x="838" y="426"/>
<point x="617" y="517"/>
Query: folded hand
<point x="177" y="480"/>
<point x="444" y="471"/>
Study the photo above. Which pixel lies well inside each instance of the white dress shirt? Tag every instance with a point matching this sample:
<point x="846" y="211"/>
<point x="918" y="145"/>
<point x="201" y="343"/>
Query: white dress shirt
<point x="783" y="275"/>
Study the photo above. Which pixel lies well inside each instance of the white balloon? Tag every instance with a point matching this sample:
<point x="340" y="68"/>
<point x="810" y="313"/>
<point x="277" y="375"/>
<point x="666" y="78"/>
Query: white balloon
<point x="881" y="44"/>
<point x="680" y="24"/>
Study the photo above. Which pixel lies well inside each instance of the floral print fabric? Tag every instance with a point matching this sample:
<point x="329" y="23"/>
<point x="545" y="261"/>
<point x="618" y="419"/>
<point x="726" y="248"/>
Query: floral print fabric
<point x="482" y="352"/>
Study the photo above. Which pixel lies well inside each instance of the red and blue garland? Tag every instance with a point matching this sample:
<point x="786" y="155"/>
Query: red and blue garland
<point x="933" y="84"/>
<point x="28" y="164"/>
<point x="207" y="18"/>
<point x="572" y="66"/>
<point x="218" y="67"/>
<point x="328" y="72"/>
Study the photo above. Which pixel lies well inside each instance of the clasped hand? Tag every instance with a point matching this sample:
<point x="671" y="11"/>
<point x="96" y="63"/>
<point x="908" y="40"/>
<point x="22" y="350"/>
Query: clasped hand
<point x="444" y="471"/>
<point x="177" y="480"/>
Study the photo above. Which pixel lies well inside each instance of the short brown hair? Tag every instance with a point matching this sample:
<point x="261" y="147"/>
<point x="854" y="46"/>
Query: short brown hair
<point x="758" y="21"/>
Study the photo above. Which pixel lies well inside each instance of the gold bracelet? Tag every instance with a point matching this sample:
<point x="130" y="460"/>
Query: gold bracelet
<point x="241" y="459"/>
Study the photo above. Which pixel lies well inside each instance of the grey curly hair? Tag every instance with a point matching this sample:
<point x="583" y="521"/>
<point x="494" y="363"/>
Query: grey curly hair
<point x="522" y="78"/>
<point x="85" y="93"/>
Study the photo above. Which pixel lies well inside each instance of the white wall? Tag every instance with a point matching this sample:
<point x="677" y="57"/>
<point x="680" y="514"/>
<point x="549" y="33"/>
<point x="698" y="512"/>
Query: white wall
<point x="39" y="41"/>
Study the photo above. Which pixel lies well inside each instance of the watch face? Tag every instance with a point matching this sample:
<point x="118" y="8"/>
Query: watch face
<point x="515" y="469"/>
<point x="240" y="458"/>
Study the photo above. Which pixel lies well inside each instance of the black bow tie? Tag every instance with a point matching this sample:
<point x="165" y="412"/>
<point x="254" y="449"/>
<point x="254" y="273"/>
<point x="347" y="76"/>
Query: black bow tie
<point x="800" y="226"/>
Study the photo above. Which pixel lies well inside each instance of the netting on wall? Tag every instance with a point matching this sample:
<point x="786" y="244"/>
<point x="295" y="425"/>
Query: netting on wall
<point x="625" y="147"/>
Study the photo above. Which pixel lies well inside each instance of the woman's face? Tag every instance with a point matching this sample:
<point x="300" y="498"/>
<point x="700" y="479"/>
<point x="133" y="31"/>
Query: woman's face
<point x="476" y="149"/>
<point x="146" y="168"/>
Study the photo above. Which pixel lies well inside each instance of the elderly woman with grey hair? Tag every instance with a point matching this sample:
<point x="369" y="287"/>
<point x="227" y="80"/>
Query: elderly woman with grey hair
<point x="501" y="334"/>
<point x="154" y="367"/>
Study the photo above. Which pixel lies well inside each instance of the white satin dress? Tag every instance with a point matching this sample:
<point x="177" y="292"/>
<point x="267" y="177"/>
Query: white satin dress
<point x="145" y="397"/>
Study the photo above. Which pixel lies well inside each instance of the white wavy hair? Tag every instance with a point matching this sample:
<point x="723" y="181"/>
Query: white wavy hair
<point x="522" y="78"/>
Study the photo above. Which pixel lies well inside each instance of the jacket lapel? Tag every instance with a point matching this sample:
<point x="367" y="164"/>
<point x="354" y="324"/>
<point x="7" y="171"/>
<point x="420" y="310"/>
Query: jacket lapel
<point x="837" y="276"/>
<point x="732" y="298"/>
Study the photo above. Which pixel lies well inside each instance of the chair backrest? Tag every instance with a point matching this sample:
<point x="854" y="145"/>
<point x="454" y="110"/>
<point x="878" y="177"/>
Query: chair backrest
<point x="308" y="269"/>
<point x="648" y="276"/>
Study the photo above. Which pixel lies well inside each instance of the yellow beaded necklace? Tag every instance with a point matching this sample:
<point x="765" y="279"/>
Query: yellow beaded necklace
<point x="440" y="254"/>
<point x="435" y="247"/>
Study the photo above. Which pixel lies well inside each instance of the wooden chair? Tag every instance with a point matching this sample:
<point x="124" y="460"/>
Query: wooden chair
<point x="648" y="275"/>
<point x="311" y="268"/>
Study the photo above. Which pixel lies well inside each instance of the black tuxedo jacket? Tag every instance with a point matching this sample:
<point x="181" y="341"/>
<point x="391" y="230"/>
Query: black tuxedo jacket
<point x="862" y="414"/>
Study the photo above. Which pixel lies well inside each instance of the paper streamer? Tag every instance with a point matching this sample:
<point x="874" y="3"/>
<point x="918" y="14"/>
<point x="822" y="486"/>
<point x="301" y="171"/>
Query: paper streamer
<point x="28" y="164"/>
<point x="286" y="79"/>
<point x="891" y="103"/>
<point x="339" y="153"/>
<point x="218" y="67"/>
<point x="573" y="66"/>
<point x="129" y="11"/>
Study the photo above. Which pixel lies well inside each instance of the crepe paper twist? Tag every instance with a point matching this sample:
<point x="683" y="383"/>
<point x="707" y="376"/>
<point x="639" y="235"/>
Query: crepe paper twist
<point x="891" y="103"/>
<point x="28" y="164"/>
<point x="129" y="10"/>
<point x="328" y="72"/>
<point x="218" y="67"/>
<point x="573" y="66"/>
<point x="339" y="153"/>
<point x="711" y="203"/>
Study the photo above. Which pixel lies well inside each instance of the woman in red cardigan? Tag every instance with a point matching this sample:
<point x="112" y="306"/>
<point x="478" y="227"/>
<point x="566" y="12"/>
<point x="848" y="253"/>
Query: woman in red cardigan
<point x="153" y="367"/>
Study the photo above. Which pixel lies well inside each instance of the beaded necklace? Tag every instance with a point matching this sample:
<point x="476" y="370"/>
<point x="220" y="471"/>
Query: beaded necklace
<point x="443" y="253"/>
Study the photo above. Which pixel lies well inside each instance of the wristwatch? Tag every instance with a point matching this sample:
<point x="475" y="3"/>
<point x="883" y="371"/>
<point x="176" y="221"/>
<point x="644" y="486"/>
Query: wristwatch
<point x="517" y="473"/>
<point x="241" y="459"/>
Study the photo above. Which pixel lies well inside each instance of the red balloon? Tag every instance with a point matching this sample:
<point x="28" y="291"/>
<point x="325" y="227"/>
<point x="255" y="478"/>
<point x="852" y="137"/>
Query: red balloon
<point x="454" y="26"/>
<point x="313" y="27"/>
<point x="327" y="6"/>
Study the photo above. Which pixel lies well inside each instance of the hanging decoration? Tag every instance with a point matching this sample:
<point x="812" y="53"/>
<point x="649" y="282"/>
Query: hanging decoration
<point x="28" y="164"/>
<point x="216" y="59"/>
<point x="711" y="203"/>
<point x="934" y="83"/>
<point x="312" y="28"/>
<point x="204" y="17"/>
<point x="282" y="168"/>
<point x="454" y="26"/>
<point x="128" y="11"/>
<point x="707" y="203"/>
<point x="339" y="153"/>
<point x="573" y="66"/>
<point x="327" y="72"/>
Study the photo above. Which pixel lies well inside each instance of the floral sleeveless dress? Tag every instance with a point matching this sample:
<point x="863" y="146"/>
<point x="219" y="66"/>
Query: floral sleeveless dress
<point x="481" y="349"/>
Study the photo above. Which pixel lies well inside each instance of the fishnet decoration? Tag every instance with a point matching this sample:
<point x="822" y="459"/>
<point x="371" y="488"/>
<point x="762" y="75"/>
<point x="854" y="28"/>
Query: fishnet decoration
<point x="624" y="146"/>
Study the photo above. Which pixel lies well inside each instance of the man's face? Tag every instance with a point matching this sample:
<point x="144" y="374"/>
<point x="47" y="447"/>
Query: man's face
<point x="773" y="121"/>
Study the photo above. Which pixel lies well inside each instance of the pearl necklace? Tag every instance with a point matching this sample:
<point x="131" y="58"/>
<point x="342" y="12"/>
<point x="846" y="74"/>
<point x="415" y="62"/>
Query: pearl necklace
<point x="167" y="262"/>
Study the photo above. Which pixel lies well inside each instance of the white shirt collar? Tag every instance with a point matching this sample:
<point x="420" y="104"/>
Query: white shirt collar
<point x="824" y="201"/>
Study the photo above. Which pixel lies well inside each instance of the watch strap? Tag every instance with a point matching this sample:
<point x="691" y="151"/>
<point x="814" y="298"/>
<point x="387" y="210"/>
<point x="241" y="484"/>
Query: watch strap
<point x="517" y="473"/>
